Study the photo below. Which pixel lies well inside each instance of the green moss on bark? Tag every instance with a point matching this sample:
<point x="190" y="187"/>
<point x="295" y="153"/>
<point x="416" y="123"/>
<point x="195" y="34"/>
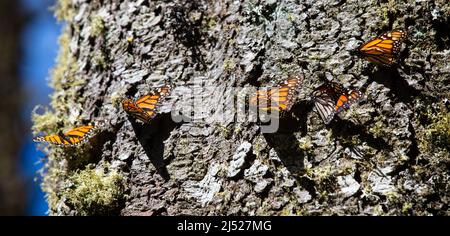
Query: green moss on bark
<point x="94" y="192"/>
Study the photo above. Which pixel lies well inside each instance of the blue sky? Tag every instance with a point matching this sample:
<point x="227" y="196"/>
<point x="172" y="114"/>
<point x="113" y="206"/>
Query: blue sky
<point x="39" y="43"/>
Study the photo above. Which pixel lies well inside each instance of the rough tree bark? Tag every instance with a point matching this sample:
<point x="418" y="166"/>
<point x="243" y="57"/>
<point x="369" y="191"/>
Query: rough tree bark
<point x="387" y="155"/>
<point x="12" y="196"/>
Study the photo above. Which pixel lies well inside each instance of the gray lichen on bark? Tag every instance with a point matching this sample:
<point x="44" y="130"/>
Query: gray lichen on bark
<point x="387" y="155"/>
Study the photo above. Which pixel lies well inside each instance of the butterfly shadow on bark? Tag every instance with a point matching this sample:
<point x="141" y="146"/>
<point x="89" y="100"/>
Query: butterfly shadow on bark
<point x="391" y="78"/>
<point x="152" y="136"/>
<point x="92" y="149"/>
<point x="284" y="141"/>
<point x="288" y="150"/>
<point x="345" y="129"/>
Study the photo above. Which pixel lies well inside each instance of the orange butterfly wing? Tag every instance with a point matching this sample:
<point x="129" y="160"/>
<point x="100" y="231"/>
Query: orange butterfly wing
<point x="79" y="134"/>
<point x="345" y="100"/>
<point x="280" y="98"/>
<point x="144" y="109"/>
<point x="331" y="98"/>
<point x="384" y="49"/>
<point x="71" y="138"/>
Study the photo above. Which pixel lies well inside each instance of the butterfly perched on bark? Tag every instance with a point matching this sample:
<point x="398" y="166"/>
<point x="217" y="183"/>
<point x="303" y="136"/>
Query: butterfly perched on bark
<point x="145" y="108"/>
<point x="384" y="49"/>
<point x="72" y="137"/>
<point x="280" y="98"/>
<point x="331" y="98"/>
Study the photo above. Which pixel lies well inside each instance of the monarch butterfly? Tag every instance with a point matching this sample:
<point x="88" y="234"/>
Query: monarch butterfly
<point x="385" y="49"/>
<point x="331" y="98"/>
<point x="144" y="109"/>
<point x="280" y="98"/>
<point x="73" y="137"/>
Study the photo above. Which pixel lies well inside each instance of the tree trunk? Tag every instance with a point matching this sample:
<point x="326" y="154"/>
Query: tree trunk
<point x="389" y="154"/>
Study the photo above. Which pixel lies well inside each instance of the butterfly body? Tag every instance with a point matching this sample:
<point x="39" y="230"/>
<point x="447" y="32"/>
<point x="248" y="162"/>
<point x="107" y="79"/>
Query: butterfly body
<point x="73" y="137"/>
<point x="145" y="108"/>
<point x="385" y="49"/>
<point x="331" y="98"/>
<point x="280" y="98"/>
